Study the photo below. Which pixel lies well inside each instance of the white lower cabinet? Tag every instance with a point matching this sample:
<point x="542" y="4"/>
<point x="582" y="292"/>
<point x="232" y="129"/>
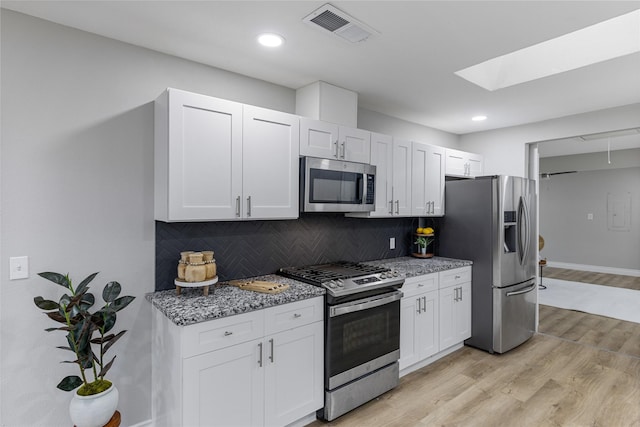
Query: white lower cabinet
<point x="455" y="306"/>
<point x="263" y="368"/>
<point x="435" y="316"/>
<point x="419" y="319"/>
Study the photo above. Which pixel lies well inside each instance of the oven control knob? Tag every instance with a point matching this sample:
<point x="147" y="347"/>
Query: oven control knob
<point x="384" y="275"/>
<point x="340" y="283"/>
<point x="331" y="284"/>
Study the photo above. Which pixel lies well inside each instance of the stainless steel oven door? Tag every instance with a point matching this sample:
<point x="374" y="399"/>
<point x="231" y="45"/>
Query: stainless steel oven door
<point x="361" y="336"/>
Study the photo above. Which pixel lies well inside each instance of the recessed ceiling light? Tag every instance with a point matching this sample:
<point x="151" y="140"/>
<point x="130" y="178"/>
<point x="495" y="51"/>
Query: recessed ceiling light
<point x="270" y="39"/>
<point x="478" y="118"/>
<point x="605" y="40"/>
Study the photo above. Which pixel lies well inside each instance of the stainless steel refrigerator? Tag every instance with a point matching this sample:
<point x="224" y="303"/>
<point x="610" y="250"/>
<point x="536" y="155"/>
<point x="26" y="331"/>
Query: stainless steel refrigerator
<point x="492" y="222"/>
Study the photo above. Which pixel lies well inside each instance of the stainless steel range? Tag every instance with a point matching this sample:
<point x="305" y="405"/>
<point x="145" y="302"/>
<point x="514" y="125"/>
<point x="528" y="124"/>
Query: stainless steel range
<point x="362" y="331"/>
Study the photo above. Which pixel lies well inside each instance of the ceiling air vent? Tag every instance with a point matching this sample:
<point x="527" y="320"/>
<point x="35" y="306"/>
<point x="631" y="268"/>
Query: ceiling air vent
<point x="334" y="21"/>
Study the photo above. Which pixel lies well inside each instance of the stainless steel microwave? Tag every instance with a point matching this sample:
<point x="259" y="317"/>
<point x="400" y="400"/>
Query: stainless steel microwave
<point x="336" y="186"/>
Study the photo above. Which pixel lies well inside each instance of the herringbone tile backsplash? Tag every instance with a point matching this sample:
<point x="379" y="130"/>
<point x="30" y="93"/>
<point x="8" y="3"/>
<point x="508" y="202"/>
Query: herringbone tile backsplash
<point x="252" y="248"/>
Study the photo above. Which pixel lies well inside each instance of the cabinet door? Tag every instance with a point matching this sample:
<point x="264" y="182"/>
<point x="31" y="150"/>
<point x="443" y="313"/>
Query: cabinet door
<point x="224" y="387"/>
<point x="294" y="384"/>
<point x="476" y="165"/>
<point x="381" y="158"/>
<point x="435" y="180"/>
<point x="354" y="145"/>
<point x="456" y="163"/>
<point x="270" y="164"/>
<point x="463" y="313"/>
<point x="427" y="183"/>
<point x="318" y="139"/>
<point x="409" y="319"/>
<point x="447" y="327"/>
<point x="203" y="158"/>
<point x="427" y="332"/>
<point x="402" y="177"/>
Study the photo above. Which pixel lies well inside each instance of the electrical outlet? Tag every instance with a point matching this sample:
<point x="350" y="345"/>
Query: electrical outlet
<point x="590" y="217"/>
<point x="392" y="242"/>
<point x="18" y="267"/>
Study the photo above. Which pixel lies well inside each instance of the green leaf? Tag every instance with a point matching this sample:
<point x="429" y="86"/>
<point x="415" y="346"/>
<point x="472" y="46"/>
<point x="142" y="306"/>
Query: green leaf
<point x="107" y="320"/>
<point x="111" y="291"/>
<point x="121" y="303"/>
<point x="69" y="383"/>
<point x="87" y="302"/>
<point x="86" y="282"/>
<point x="112" y="341"/>
<point x="46" y="304"/>
<point x="102" y="340"/>
<point x="106" y="368"/>
<point x="62" y="280"/>
<point x="56" y="316"/>
<point x="61" y="347"/>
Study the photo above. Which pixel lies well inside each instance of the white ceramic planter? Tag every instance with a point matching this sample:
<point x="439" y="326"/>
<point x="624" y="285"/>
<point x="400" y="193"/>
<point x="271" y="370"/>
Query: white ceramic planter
<point x="95" y="410"/>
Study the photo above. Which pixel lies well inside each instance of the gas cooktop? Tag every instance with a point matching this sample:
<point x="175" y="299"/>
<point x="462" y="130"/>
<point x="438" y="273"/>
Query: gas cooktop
<point x="345" y="278"/>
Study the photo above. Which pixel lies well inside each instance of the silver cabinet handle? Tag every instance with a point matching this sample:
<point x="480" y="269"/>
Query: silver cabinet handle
<point x="456" y="276"/>
<point x="249" y="206"/>
<point x="238" y="206"/>
<point x="227" y="333"/>
<point x="397" y="206"/>
<point x="390" y="207"/>
<point x="271" y="355"/>
<point x="419" y="307"/>
<point x="337" y="154"/>
<point x="424" y="304"/>
<point x="343" y="149"/>
<point x="260" y="356"/>
<point x="297" y="315"/>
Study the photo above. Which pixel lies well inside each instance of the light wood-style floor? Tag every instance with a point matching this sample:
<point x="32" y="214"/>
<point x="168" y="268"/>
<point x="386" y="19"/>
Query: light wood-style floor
<point x="617" y="280"/>
<point x="580" y="370"/>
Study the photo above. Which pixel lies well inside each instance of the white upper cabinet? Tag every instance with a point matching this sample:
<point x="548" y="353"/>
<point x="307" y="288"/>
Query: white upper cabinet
<point x="332" y="141"/>
<point x="392" y="159"/>
<point x="463" y="164"/>
<point x="221" y="160"/>
<point x="270" y="164"/>
<point x="401" y="177"/>
<point x="427" y="184"/>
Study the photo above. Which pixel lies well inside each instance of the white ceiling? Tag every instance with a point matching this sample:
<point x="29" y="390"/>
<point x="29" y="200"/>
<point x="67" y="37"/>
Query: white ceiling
<point x="407" y="71"/>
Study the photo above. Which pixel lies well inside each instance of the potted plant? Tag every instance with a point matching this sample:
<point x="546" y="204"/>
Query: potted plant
<point x="89" y="337"/>
<point x="423" y="242"/>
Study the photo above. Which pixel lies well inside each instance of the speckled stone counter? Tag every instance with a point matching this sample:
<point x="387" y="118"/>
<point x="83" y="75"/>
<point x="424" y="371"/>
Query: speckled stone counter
<point x="226" y="300"/>
<point x="411" y="267"/>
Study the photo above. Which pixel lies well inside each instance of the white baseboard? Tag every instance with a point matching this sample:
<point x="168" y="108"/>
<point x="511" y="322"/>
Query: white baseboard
<point x="595" y="268"/>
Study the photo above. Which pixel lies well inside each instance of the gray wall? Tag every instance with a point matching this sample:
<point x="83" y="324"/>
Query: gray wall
<point x="77" y="196"/>
<point x="567" y="199"/>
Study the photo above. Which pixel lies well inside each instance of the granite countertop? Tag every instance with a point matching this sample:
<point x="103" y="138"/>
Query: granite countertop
<point x="226" y="300"/>
<point x="411" y="267"/>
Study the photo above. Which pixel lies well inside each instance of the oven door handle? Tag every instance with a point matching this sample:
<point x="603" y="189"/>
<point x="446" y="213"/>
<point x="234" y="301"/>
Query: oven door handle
<point x="364" y="304"/>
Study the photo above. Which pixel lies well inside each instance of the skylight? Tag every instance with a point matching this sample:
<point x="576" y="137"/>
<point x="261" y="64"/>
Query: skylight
<point x="605" y="40"/>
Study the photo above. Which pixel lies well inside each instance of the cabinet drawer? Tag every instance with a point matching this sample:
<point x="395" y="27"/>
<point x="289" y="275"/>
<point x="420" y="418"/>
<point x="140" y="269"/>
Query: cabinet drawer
<point x="420" y="284"/>
<point x="454" y="277"/>
<point x="287" y="316"/>
<point x="216" y="334"/>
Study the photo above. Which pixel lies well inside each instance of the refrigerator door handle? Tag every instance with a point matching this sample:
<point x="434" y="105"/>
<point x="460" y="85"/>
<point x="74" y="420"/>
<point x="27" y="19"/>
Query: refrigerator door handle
<point x="522" y="291"/>
<point x="523" y="226"/>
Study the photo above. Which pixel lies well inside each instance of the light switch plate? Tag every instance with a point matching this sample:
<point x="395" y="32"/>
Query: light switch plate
<point x="392" y="242"/>
<point x="18" y="267"/>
